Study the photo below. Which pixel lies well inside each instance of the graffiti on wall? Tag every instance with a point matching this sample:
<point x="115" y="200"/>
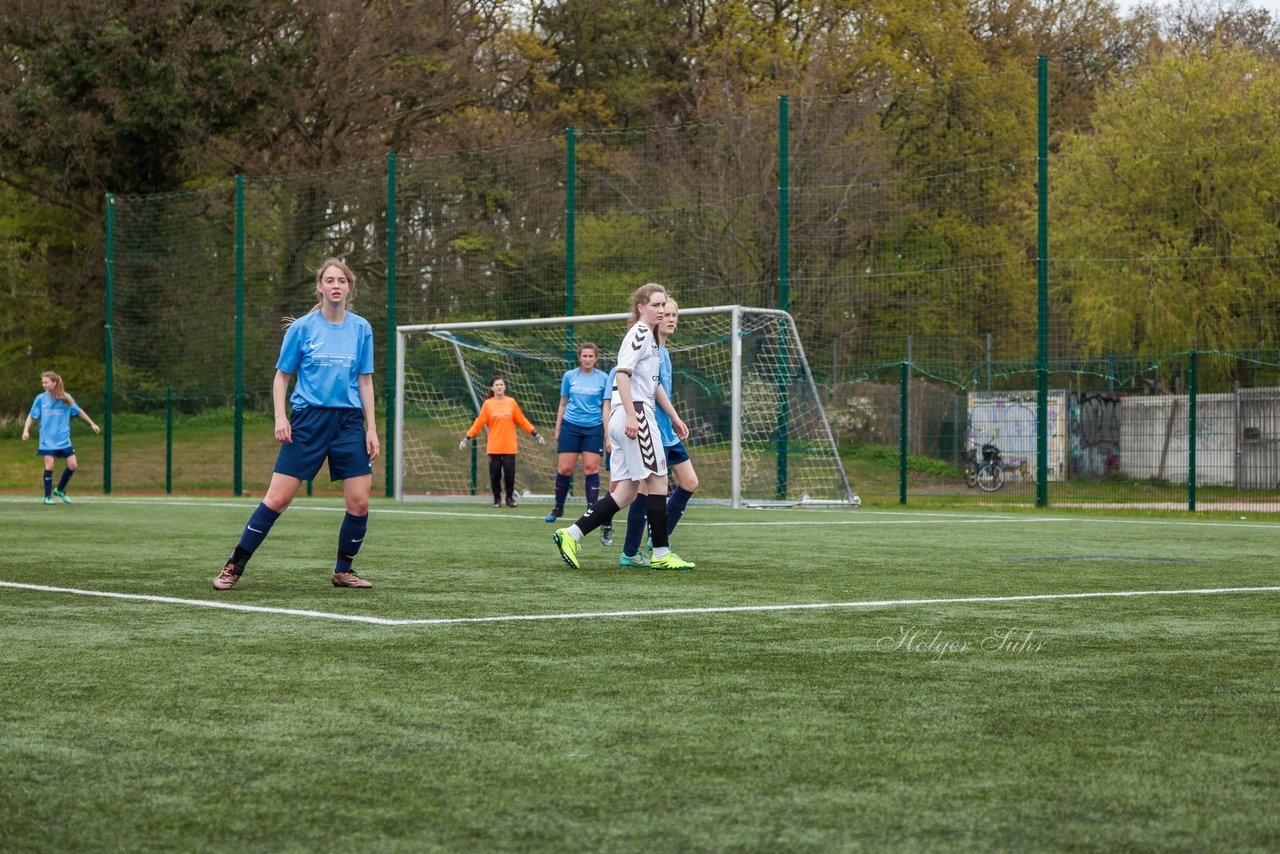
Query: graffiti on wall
<point x="1093" y="425"/>
<point x="1007" y="419"/>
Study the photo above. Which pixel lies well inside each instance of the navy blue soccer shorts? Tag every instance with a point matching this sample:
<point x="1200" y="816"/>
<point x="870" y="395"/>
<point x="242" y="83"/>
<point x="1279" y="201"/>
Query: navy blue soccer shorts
<point x="576" y="439"/>
<point x="320" y="432"/>
<point x="60" y="452"/>
<point x="676" y="454"/>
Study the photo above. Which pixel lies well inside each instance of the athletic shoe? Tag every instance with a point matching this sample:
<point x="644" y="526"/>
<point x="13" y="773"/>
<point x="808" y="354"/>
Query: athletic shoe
<point x="671" y="561"/>
<point x="227" y="578"/>
<point x="62" y="495"/>
<point x="349" y="579"/>
<point x="648" y="542"/>
<point x="555" y="514"/>
<point x="511" y="502"/>
<point x="606" y="535"/>
<point x="638" y="560"/>
<point x="497" y="505"/>
<point x="568" y="547"/>
<point x="48" y="499"/>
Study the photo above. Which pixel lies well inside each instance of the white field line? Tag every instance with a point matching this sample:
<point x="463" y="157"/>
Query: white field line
<point x="912" y="517"/>
<point x="659" y="612"/>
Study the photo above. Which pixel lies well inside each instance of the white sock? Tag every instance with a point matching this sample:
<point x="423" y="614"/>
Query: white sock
<point x="575" y="532"/>
<point x="659" y="554"/>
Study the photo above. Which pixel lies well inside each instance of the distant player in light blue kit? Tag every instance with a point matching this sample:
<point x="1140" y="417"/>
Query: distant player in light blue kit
<point x="580" y="427"/>
<point x="53" y="408"/>
<point x="331" y="350"/>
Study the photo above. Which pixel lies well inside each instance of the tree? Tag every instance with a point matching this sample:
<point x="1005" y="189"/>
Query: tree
<point x="1166" y="217"/>
<point x="634" y="54"/>
<point x="1088" y="44"/>
<point x="98" y="97"/>
<point x="354" y="79"/>
<point x="1203" y="26"/>
<point x="118" y="97"/>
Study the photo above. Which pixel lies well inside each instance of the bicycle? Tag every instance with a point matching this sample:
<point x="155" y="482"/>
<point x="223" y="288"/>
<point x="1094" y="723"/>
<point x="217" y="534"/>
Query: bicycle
<point x="988" y="473"/>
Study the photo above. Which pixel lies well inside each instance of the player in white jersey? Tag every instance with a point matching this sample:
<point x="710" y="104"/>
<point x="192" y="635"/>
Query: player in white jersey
<point x="637" y="456"/>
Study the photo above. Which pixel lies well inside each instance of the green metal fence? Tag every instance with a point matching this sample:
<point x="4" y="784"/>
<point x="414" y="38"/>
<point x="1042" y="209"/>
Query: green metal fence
<point x="960" y="270"/>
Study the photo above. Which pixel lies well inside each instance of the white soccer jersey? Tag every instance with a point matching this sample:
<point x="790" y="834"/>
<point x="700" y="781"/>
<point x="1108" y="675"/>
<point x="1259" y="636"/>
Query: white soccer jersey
<point x="639" y="356"/>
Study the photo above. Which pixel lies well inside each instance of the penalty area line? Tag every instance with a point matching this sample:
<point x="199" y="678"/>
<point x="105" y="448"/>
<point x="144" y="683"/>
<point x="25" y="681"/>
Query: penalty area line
<point x="657" y="612"/>
<point x="203" y="603"/>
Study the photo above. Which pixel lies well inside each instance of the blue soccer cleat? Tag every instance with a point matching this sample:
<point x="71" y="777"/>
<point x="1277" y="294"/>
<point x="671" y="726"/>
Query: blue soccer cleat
<point x="635" y="561"/>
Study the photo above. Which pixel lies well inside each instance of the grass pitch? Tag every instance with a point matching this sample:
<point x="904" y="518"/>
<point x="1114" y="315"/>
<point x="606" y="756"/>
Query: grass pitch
<point x="898" y="698"/>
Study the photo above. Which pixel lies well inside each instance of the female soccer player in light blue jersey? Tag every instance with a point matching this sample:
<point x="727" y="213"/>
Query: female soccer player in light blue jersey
<point x="330" y="349"/>
<point x="580" y="427"/>
<point x="54" y="408"/>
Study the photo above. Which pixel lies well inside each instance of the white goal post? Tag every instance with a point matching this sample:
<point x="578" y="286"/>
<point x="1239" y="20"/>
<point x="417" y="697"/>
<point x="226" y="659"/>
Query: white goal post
<point x="758" y="433"/>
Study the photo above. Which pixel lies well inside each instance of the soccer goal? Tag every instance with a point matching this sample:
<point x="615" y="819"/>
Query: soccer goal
<point x="758" y="435"/>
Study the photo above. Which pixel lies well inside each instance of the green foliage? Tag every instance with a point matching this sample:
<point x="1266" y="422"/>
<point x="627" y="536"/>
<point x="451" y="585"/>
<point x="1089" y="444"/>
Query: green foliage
<point x="887" y="457"/>
<point x="120" y="99"/>
<point x="44" y="325"/>
<point x="633" y="53"/>
<point x="1167" y="213"/>
<point x="911" y="165"/>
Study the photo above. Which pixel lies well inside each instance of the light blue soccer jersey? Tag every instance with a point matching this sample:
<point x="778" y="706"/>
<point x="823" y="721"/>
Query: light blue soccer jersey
<point x="607" y="394"/>
<point x="665" y="429"/>
<point x="585" y="393"/>
<point x="55" y="421"/>
<point x="328" y="358"/>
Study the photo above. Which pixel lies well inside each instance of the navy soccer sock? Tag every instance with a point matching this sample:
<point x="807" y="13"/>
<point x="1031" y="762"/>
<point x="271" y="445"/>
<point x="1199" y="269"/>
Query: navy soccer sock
<point x="676" y="503"/>
<point x="48" y="484"/>
<point x="256" y="531"/>
<point x="593" y="489"/>
<point x="350" y="536"/>
<point x="637" y="514"/>
<point x="66" y="476"/>
<point x="562" y="488"/>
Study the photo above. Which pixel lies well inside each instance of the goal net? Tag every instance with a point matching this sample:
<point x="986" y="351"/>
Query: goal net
<point x="758" y="434"/>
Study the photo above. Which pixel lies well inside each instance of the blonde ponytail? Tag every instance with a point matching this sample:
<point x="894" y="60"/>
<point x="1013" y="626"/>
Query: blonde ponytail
<point x="59" y="390"/>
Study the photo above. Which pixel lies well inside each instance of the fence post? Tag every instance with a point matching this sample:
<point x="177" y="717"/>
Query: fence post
<point x="784" y="291"/>
<point x="570" y="202"/>
<point x="389" y="446"/>
<point x="903" y="374"/>
<point x="989" y="357"/>
<point x="1042" y="281"/>
<point x="784" y="203"/>
<point x="239" y="406"/>
<point x="1192" y="392"/>
<point x="474" y="466"/>
<point x="109" y="380"/>
<point x="168" y="441"/>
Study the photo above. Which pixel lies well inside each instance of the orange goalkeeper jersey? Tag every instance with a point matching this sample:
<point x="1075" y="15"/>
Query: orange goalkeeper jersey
<point x="501" y="416"/>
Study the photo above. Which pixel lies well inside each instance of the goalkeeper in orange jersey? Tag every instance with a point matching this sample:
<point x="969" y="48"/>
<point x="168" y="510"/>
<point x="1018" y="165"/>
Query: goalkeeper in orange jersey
<point x="501" y="414"/>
